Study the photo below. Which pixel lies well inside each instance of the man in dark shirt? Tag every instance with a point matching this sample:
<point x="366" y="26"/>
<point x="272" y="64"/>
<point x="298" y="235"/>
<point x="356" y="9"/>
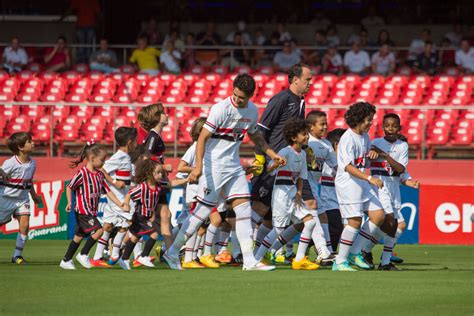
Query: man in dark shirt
<point x="427" y="62"/>
<point x="208" y="37"/>
<point x="282" y="107"/>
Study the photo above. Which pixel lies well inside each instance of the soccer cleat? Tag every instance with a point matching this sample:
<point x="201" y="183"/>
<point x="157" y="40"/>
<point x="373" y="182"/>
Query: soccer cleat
<point x="136" y="264"/>
<point x="19" y="260"/>
<point x="359" y="261"/>
<point x="67" y="265"/>
<point x="224" y="257"/>
<point x="369" y="259"/>
<point x="208" y="261"/>
<point x="159" y="253"/>
<point x="112" y="261"/>
<point x="395" y="259"/>
<point x="278" y="258"/>
<point x="124" y="264"/>
<point x="83" y="260"/>
<point x="99" y="263"/>
<point x="192" y="265"/>
<point x="259" y="266"/>
<point x="237" y="261"/>
<point x="326" y="262"/>
<point x="172" y="262"/>
<point x="304" y="264"/>
<point x="388" y="267"/>
<point x="146" y="262"/>
<point x="289" y="258"/>
<point x="342" y="267"/>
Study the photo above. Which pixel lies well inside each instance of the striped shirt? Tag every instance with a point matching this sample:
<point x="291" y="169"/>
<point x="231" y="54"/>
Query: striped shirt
<point x="155" y="145"/>
<point x="88" y="186"/>
<point x="145" y="198"/>
<point x="20" y="179"/>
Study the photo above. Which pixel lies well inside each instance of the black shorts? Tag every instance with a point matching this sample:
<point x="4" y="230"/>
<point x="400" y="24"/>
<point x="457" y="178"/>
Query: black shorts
<point x="229" y="213"/>
<point x="163" y="198"/>
<point x="307" y="193"/>
<point x="142" y="225"/>
<point x="86" y="225"/>
<point x="262" y="188"/>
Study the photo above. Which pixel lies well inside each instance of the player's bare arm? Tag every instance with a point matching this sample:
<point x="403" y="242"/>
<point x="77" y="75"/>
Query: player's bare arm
<point x="353" y="171"/>
<point x="259" y="141"/>
<point x="36" y="198"/>
<point x="69" y="199"/>
<point x="184" y="167"/>
<point x="124" y="206"/>
<point x="118" y="184"/>
<point x="398" y="167"/>
<point x="201" y="144"/>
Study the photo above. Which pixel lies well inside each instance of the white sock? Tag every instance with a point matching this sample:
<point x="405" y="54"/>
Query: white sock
<point x="398" y="234"/>
<point x="189" y="248"/>
<point x="201" y="246"/>
<point x="256" y="219"/>
<point x="327" y="236"/>
<point x="320" y="243"/>
<point x="137" y="250"/>
<point x="268" y="241"/>
<point x="190" y="225"/>
<point x="117" y="243"/>
<point x="369" y="236"/>
<point x="388" y="244"/>
<point x="222" y="241"/>
<point x="101" y="244"/>
<point x="305" y="239"/>
<point x="196" y="246"/>
<point x="283" y="239"/>
<point x="20" y="244"/>
<point x="209" y="241"/>
<point x="347" y="240"/>
<point x="261" y="233"/>
<point x="244" y="232"/>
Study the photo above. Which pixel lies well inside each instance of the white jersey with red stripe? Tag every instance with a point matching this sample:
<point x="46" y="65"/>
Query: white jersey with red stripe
<point x="88" y="186"/>
<point x="20" y="179"/>
<point x="191" y="188"/>
<point x="389" y="195"/>
<point x="119" y="167"/>
<point x="328" y="190"/>
<point x="322" y="150"/>
<point x="228" y="125"/>
<point x="145" y="198"/>
<point x="352" y="149"/>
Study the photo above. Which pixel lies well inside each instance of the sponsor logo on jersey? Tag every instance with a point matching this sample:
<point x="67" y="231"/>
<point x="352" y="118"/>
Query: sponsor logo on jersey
<point x="262" y="192"/>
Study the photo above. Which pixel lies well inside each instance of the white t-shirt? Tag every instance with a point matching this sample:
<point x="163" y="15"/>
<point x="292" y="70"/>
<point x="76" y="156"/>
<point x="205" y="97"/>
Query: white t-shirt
<point x="382" y="64"/>
<point x="416" y="47"/>
<point x="20" y="179"/>
<point x="352" y="149"/>
<point x="287" y="176"/>
<point x="356" y="62"/>
<point x="119" y="167"/>
<point x="228" y="124"/>
<point x="322" y="151"/>
<point x="286" y="60"/>
<point x="465" y="60"/>
<point x="18" y="56"/>
<point x="328" y="191"/>
<point x="191" y="188"/>
<point x="169" y="62"/>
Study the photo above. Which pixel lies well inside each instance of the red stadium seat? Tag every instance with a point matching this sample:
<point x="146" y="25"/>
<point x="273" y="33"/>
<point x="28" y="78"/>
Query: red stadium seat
<point x="91" y="131"/>
<point x="437" y="136"/>
<point x="64" y="132"/>
<point x="41" y="132"/>
<point x="462" y="137"/>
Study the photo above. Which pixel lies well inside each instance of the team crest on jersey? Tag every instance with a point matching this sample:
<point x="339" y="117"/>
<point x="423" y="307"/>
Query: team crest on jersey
<point x="207" y="191"/>
<point x="236" y="133"/>
<point x="262" y="192"/>
<point x="91" y="222"/>
<point x="149" y="224"/>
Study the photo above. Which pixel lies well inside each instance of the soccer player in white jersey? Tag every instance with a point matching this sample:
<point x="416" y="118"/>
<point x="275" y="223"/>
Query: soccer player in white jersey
<point x="320" y="152"/>
<point x="355" y="190"/>
<point x="287" y="201"/>
<point x="218" y="169"/>
<point x="17" y="183"/>
<point x="118" y="173"/>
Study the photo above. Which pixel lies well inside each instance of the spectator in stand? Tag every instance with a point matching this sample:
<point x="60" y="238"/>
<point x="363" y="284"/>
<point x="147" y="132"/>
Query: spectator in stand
<point x="260" y="38"/>
<point x="372" y="20"/>
<point x="239" y="57"/>
<point x="146" y="57"/>
<point x="355" y="35"/>
<point x="57" y="58"/>
<point x="175" y="37"/>
<point x="384" y="38"/>
<point x="189" y="56"/>
<point x="332" y="61"/>
<point x="383" y="61"/>
<point x="364" y="40"/>
<point x="150" y="30"/>
<point x="332" y="35"/>
<point x="357" y="61"/>
<point x="446" y="53"/>
<point x="286" y="58"/>
<point x="284" y="34"/>
<point x="258" y="54"/>
<point x="209" y="37"/>
<point x="88" y="14"/>
<point x="417" y="46"/>
<point x="241" y="28"/>
<point x="455" y="35"/>
<point x="265" y="57"/>
<point x="170" y="59"/>
<point x="427" y="62"/>
<point x="15" y="57"/>
<point x="465" y="57"/>
<point x="318" y="54"/>
<point x="104" y="59"/>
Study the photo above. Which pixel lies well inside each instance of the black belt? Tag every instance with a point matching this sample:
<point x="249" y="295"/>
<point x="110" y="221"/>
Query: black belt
<point x="284" y="182"/>
<point x="328" y="184"/>
<point x="383" y="173"/>
<point x="228" y="138"/>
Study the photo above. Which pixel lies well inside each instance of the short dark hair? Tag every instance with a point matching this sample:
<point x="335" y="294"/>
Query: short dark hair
<point x="245" y="83"/>
<point x="313" y="116"/>
<point x="429" y="43"/>
<point x="392" y="115"/>
<point x="335" y="135"/>
<point x="17" y="140"/>
<point x="296" y="71"/>
<point x="124" y="134"/>
<point x="358" y="112"/>
<point x="61" y="38"/>
<point x="293" y="127"/>
<point x="196" y="128"/>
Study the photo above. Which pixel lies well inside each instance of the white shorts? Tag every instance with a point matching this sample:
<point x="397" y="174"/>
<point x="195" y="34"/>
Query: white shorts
<point x="115" y="216"/>
<point x="358" y="209"/>
<point x="213" y="185"/>
<point x="328" y="199"/>
<point x="15" y="207"/>
<point x="284" y="211"/>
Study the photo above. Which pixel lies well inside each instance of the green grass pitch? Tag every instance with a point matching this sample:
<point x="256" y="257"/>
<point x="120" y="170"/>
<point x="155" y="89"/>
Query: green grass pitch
<point x="436" y="280"/>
